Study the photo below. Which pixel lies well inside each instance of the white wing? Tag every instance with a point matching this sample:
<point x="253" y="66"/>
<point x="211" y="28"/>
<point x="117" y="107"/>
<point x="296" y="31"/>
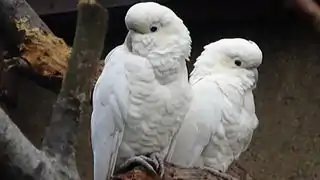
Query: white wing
<point x="109" y="110"/>
<point x="201" y="119"/>
<point x="233" y="135"/>
<point x="249" y="102"/>
<point x="218" y="126"/>
<point x="250" y="111"/>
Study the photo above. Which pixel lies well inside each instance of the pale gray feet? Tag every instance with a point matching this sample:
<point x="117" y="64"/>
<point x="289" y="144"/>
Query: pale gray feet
<point x="220" y="174"/>
<point x="153" y="163"/>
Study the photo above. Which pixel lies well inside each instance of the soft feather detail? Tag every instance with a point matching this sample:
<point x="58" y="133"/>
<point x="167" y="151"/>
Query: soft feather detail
<point x="168" y="52"/>
<point x="238" y="122"/>
<point x="153" y="111"/>
<point x="220" y="122"/>
<point x="109" y="109"/>
<point x="133" y="107"/>
<point x="142" y="94"/>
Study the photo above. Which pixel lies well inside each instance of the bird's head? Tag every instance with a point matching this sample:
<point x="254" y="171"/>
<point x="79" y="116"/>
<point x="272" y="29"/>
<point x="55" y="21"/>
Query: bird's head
<point x="155" y="30"/>
<point x="230" y="54"/>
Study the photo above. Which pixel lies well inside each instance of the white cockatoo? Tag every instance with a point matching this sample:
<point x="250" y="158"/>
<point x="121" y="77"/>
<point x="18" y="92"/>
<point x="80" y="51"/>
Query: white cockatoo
<point x="142" y="94"/>
<point x="220" y="122"/>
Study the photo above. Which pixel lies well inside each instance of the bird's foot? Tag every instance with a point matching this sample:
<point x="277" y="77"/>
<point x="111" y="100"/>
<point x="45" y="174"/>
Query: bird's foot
<point x="154" y="163"/>
<point x="160" y="163"/>
<point x="220" y="174"/>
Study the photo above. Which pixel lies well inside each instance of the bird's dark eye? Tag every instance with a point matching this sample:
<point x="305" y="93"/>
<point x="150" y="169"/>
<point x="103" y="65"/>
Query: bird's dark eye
<point x="237" y="62"/>
<point x="153" y="29"/>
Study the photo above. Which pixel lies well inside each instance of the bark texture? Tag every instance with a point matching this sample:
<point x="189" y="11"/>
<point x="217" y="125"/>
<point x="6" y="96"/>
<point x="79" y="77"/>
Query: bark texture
<point x="46" y="54"/>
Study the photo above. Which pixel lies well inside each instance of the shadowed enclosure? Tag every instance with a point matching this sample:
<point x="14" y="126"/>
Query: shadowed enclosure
<point x="287" y="142"/>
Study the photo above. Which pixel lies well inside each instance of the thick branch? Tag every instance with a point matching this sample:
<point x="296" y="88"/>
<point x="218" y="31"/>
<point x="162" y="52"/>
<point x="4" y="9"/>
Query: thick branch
<point x="58" y="161"/>
<point x="9" y="34"/>
<point x="46" y="53"/>
<point x="16" y="146"/>
<point x="60" y="136"/>
<point x="21" y="9"/>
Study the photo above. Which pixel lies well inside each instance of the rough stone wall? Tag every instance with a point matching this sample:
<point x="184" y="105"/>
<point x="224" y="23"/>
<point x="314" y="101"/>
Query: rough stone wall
<point x="287" y="142"/>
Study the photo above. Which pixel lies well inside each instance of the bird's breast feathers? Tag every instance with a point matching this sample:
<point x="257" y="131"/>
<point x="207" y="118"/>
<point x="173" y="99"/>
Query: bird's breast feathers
<point x="233" y="133"/>
<point x="155" y="110"/>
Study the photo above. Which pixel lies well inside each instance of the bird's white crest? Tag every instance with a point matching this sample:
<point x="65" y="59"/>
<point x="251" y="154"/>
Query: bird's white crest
<point x="158" y="34"/>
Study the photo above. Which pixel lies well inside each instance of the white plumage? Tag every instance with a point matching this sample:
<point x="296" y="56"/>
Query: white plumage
<point x="143" y="93"/>
<point x="221" y="119"/>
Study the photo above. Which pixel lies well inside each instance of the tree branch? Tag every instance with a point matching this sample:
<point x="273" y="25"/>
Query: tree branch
<point x="16" y="146"/>
<point x="60" y="138"/>
<point x="56" y="159"/>
<point x="21" y="9"/>
<point x="34" y="50"/>
<point x="9" y="33"/>
<point x="45" y="53"/>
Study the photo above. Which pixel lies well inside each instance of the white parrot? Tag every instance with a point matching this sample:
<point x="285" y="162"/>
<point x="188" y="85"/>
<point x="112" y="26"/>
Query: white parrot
<point x="143" y="93"/>
<point x="221" y="118"/>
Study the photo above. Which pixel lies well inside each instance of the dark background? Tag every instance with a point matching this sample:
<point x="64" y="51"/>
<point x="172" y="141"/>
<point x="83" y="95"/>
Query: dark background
<point x="286" y="145"/>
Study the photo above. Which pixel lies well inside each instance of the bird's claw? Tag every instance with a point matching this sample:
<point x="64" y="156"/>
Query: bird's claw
<point x="220" y="174"/>
<point x="154" y="163"/>
<point x="160" y="163"/>
<point x="141" y="160"/>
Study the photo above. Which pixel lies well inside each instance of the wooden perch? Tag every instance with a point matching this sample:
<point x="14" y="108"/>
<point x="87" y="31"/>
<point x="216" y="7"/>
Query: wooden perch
<point x="173" y="172"/>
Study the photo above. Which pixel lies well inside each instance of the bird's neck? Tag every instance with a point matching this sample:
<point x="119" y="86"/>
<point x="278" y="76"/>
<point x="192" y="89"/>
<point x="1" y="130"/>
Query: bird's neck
<point x="168" y="58"/>
<point x="203" y="69"/>
<point x="206" y="64"/>
<point x="168" y="70"/>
